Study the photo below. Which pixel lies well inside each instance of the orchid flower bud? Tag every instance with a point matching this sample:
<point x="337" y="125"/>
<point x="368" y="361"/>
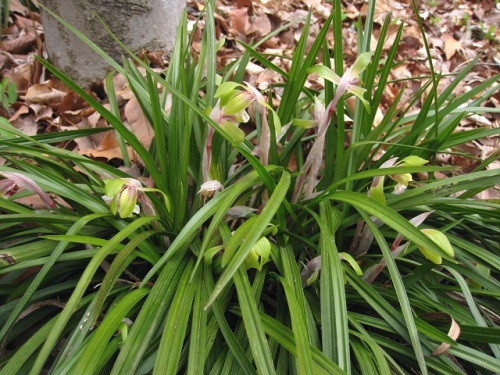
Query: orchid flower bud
<point x="439" y="239"/>
<point x="259" y="255"/>
<point x="210" y="188"/>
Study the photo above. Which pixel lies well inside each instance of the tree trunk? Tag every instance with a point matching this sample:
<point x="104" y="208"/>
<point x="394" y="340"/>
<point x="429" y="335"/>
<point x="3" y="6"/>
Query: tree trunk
<point x="148" y="24"/>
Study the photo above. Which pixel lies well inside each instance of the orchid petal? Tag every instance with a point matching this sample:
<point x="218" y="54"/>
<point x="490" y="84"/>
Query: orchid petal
<point x="439" y="239"/>
<point x="325" y="73"/>
<point x="259" y="255"/>
<point x="402" y="178"/>
<point x="127" y="202"/>
<point x="414" y="161"/>
<point x="232" y="130"/>
<point x="28" y="184"/>
<point x="362" y="61"/>
<point x="238" y="102"/>
<point x="226" y="89"/>
<point x="359" y="93"/>
<point x="302" y="123"/>
<point x="377" y="190"/>
<point x="113" y="187"/>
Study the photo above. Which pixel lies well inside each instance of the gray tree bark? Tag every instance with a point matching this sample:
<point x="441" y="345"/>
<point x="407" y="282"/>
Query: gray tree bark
<point x="148" y="24"/>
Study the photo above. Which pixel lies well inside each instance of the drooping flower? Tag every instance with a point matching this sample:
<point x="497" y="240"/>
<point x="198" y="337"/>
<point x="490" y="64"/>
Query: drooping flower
<point x="15" y="181"/>
<point x="123" y="194"/>
<point x="439" y="239"/>
<point x="233" y="101"/>
<point x="349" y="80"/>
<point x="259" y="255"/>
<point x="230" y="110"/>
<point x="210" y="188"/>
<point x="403" y="179"/>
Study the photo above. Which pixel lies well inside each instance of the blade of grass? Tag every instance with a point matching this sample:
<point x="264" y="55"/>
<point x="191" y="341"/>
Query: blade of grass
<point x="284" y="336"/>
<point x="87" y="363"/>
<point x="152" y="314"/>
<point x="59" y="249"/>
<point x="473" y="308"/>
<point x="292" y="285"/>
<point x="198" y="326"/>
<point x="229" y="337"/>
<point x="401" y="293"/>
<point x="174" y="331"/>
<point x="334" y="324"/>
<point x="253" y="325"/>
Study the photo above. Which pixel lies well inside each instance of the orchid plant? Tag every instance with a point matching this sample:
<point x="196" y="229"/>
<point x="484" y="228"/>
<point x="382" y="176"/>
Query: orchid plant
<point x="208" y="268"/>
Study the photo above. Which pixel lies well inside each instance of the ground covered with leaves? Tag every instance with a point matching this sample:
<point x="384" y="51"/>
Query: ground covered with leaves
<point x="457" y="32"/>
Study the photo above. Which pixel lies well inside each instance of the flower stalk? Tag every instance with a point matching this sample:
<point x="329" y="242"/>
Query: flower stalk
<point x="347" y="83"/>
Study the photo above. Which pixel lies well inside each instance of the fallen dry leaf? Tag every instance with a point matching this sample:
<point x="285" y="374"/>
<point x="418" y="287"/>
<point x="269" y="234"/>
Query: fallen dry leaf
<point x="15" y="6"/>
<point x="453" y="334"/>
<point x="109" y="154"/>
<point x="26" y="124"/>
<point x="44" y="93"/>
<point x="138" y="123"/>
<point x="20" y="44"/>
<point x="22" y="110"/>
<point x="451" y="46"/>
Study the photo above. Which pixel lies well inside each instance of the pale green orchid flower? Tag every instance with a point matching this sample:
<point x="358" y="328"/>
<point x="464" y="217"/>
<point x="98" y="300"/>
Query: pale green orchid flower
<point x="230" y="110"/>
<point x="403" y="179"/>
<point x="123" y="194"/>
<point x="349" y="80"/>
<point x="229" y="121"/>
<point x="439" y="239"/>
<point x="234" y="99"/>
<point x="259" y="255"/>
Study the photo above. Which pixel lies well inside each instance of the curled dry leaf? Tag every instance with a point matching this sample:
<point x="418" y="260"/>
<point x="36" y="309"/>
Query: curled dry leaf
<point x="22" y="110"/>
<point x="44" y="93"/>
<point x="109" y="154"/>
<point x="453" y="333"/>
<point x="21" y="44"/>
<point x="17" y="7"/>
